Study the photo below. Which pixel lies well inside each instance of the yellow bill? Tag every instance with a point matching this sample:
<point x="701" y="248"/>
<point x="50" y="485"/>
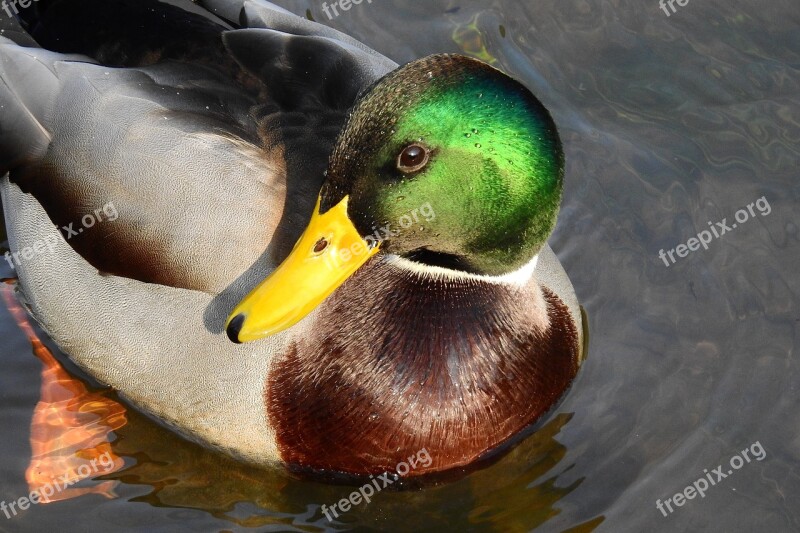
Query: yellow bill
<point x="329" y="251"/>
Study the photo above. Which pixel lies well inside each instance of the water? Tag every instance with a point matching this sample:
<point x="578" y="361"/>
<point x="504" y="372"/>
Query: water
<point x="668" y="123"/>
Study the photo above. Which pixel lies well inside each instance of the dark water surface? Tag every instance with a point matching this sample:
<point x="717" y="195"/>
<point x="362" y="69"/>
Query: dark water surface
<point x="668" y="123"/>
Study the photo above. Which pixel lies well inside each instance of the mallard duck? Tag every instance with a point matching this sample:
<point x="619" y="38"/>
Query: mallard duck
<point x="279" y="243"/>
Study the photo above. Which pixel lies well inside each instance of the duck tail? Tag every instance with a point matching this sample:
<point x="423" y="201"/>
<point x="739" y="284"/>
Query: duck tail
<point x="120" y="33"/>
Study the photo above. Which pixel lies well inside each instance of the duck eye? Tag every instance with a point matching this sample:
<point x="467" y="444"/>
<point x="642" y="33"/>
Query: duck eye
<point x="413" y="158"/>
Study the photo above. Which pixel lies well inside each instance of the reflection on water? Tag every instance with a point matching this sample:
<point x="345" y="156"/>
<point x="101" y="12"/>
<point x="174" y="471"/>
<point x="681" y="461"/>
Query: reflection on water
<point x="186" y="476"/>
<point x="71" y="426"/>
<point x="471" y="41"/>
<point x="667" y="122"/>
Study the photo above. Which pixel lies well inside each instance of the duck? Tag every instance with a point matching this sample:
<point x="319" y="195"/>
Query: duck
<point x="319" y="260"/>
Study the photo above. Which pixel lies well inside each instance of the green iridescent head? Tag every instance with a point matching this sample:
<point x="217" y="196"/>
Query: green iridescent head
<point x="450" y="163"/>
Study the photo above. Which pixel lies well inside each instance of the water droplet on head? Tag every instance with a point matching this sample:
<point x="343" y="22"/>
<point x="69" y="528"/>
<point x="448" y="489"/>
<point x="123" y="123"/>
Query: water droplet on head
<point x="475" y="131"/>
<point x="468" y="135"/>
<point x="401" y="198"/>
<point x="477" y="145"/>
<point x="373" y="417"/>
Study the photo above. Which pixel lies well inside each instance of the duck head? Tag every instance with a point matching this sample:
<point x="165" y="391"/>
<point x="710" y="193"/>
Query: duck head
<point x="445" y="162"/>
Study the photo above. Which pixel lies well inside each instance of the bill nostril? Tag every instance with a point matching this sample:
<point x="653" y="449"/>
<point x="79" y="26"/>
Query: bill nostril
<point x="235" y="327"/>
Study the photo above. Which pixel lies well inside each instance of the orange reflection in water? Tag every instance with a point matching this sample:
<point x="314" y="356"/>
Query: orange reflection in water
<point x="71" y="426"/>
